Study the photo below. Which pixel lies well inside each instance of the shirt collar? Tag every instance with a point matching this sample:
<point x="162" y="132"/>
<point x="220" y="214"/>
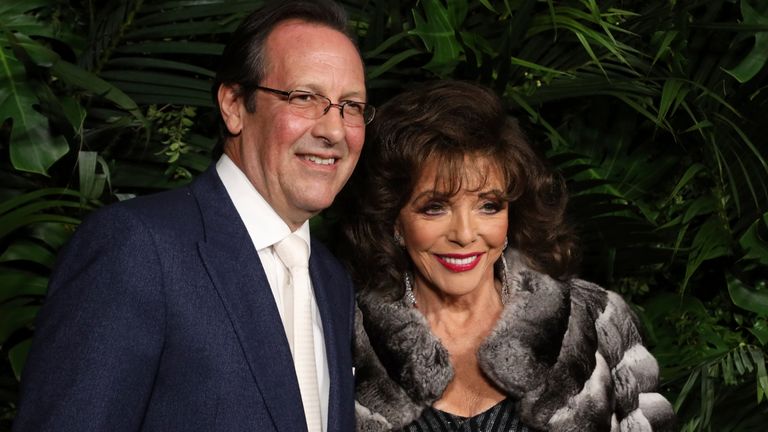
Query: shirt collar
<point x="264" y="225"/>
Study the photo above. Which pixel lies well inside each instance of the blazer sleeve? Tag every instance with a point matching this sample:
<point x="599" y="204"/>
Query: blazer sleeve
<point x="99" y="335"/>
<point x="634" y="371"/>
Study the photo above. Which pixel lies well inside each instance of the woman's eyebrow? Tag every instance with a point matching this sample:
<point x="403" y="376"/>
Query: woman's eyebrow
<point x="496" y="193"/>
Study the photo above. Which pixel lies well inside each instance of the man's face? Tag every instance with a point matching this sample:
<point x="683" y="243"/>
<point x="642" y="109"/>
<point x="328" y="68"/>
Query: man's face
<point x="298" y="164"/>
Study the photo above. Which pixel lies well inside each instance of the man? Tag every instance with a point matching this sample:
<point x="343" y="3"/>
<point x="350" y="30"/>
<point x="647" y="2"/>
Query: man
<point x="173" y="311"/>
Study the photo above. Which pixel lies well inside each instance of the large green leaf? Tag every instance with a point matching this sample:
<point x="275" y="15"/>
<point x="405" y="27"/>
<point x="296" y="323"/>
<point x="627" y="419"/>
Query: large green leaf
<point x="18" y="356"/>
<point x="755" y="240"/>
<point x="375" y="72"/>
<point x="712" y="240"/>
<point x="53" y="234"/>
<point x="30" y="197"/>
<point x="32" y="147"/>
<point x="18" y="16"/>
<point x="16" y="283"/>
<point x="438" y="30"/>
<point x="94" y="174"/>
<point x="755" y="60"/>
<point x="85" y="80"/>
<point x="760" y="330"/>
<point x="747" y="297"/>
<point x="26" y="250"/>
<point x="29" y="208"/>
<point x="762" y="375"/>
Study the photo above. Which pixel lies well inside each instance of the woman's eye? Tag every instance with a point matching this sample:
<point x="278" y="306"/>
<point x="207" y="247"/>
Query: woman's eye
<point x="432" y="208"/>
<point x="490" y="207"/>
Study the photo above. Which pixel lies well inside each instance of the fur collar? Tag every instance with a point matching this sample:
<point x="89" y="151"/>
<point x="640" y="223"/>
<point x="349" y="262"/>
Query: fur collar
<point x="540" y="352"/>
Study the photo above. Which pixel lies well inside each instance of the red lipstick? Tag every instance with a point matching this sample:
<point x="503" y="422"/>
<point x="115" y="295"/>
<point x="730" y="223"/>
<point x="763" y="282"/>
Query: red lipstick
<point x="459" y="262"/>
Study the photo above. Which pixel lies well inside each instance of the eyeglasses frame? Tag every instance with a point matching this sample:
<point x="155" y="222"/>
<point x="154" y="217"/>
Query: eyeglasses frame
<point x="340" y="105"/>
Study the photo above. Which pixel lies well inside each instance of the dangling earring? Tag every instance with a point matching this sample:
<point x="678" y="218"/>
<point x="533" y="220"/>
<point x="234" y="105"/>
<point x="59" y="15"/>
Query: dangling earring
<point x="409" y="298"/>
<point x="505" y="282"/>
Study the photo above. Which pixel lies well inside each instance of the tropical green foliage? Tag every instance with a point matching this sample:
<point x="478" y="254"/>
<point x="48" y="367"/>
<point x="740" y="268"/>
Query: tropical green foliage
<point x="653" y="111"/>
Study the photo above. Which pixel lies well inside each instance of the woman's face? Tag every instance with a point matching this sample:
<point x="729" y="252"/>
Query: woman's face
<point x="454" y="240"/>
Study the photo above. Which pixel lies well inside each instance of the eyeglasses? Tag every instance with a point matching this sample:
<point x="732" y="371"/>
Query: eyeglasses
<point x="313" y="106"/>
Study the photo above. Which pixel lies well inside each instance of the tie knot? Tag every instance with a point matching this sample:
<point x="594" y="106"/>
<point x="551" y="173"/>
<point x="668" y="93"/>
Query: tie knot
<point x="293" y="251"/>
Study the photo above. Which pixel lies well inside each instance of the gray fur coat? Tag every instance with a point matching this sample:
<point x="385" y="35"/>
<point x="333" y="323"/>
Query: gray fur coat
<point x="569" y="353"/>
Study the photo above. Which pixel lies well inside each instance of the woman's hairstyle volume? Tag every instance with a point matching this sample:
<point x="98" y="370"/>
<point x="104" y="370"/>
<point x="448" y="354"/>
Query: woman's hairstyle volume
<point x="450" y="122"/>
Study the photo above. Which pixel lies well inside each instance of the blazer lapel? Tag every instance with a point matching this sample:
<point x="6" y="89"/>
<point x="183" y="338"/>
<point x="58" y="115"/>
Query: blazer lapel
<point x="330" y="304"/>
<point x="239" y="279"/>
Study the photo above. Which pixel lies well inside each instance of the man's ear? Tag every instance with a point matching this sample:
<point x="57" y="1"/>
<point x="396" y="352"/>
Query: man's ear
<point x="231" y="107"/>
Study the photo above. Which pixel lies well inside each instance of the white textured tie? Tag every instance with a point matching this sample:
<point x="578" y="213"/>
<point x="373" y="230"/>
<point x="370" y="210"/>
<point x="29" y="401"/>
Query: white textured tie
<point x="294" y="253"/>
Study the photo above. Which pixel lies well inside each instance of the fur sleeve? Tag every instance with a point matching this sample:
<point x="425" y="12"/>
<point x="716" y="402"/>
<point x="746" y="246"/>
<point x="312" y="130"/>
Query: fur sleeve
<point x="381" y="405"/>
<point x="634" y="371"/>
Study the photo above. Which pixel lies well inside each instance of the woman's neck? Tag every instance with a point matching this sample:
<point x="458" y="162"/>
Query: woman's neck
<point x="472" y="311"/>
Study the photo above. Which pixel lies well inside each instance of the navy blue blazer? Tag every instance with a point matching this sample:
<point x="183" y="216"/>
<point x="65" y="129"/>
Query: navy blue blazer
<point x="159" y="317"/>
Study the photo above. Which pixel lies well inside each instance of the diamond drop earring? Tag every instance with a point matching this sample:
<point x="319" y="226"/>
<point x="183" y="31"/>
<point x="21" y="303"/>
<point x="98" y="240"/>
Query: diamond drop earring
<point x="409" y="298"/>
<point x="505" y="282"/>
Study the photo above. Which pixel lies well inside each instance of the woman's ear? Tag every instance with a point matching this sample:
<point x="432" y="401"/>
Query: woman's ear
<point x="398" y="237"/>
<point x="231" y="107"/>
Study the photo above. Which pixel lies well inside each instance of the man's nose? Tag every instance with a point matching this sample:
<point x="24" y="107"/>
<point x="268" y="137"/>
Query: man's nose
<point x="330" y="125"/>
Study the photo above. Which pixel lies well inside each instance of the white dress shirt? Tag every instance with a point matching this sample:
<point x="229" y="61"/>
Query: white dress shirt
<point x="265" y="227"/>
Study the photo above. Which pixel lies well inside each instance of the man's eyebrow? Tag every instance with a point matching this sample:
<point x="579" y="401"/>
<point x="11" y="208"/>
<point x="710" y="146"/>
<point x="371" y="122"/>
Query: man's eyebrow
<point x="315" y="89"/>
<point x="355" y="94"/>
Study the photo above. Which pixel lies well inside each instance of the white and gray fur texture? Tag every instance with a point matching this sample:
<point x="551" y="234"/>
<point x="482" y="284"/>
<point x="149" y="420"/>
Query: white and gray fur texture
<point x="569" y="353"/>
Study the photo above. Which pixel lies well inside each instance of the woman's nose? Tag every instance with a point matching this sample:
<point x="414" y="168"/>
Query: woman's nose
<point x="463" y="230"/>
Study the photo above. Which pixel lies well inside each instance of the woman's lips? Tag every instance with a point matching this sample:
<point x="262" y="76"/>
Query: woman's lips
<point x="459" y="262"/>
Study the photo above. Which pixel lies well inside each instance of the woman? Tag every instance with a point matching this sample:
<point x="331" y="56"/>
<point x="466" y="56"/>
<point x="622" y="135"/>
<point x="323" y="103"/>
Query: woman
<point x="469" y="319"/>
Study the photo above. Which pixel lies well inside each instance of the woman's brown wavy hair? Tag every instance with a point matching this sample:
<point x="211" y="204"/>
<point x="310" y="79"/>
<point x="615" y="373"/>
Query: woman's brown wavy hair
<point x="449" y="122"/>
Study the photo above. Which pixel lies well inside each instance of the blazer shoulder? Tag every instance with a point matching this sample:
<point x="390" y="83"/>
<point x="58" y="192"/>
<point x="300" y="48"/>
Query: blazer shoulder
<point x="182" y="206"/>
<point x="171" y="212"/>
<point x="176" y="205"/>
